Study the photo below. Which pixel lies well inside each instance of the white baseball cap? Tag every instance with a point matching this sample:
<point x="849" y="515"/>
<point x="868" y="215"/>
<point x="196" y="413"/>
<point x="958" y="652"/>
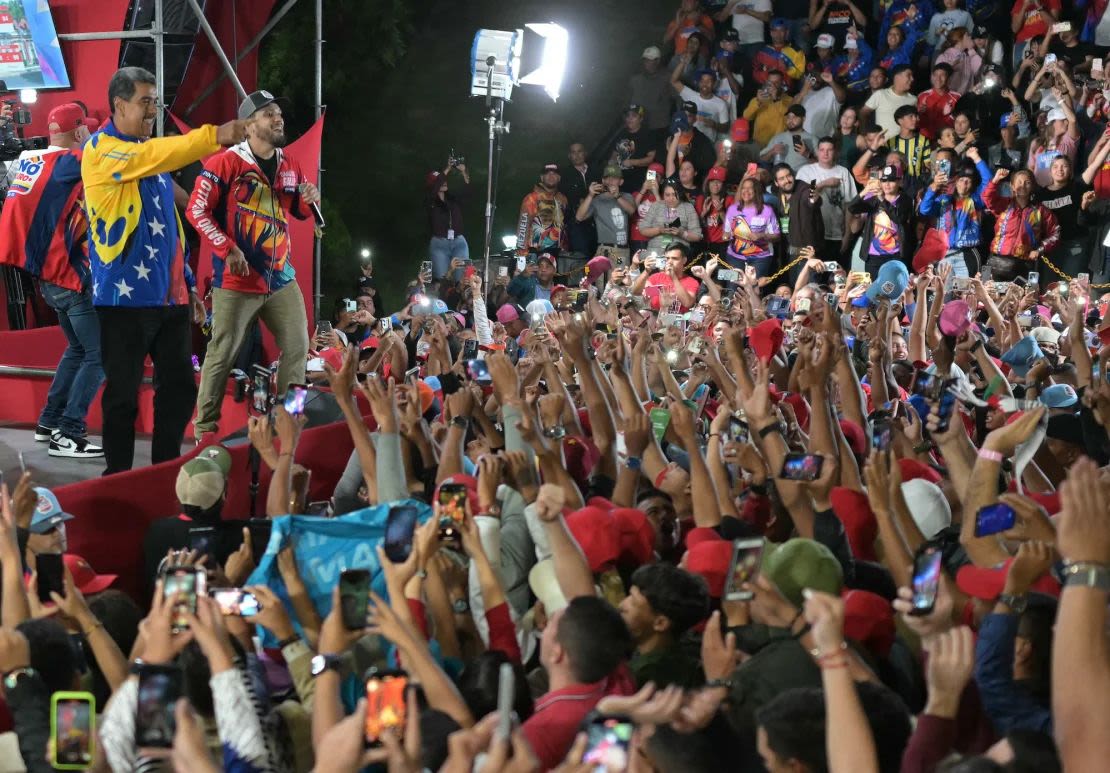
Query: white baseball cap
<point x="850" y="44"/>
<point x="652" y="52"/>
<point x="825" y="41"/>
<point x="1056" y="114"/>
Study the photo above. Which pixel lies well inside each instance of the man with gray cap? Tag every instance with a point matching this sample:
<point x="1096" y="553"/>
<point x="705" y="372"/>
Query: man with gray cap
<point x="240" y="207"/>
<point x="651" y="87"/>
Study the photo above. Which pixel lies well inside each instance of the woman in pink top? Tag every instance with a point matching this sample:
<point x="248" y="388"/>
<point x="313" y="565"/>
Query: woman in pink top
<point x="753" y="229"/>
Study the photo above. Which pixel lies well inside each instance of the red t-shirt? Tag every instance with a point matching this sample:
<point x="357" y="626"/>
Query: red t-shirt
<point x="662" y="279"/>
<point x="936" y="111"/>
<point x="1036" y="21"/>
<point x="558" y="716"/>
<point x="641" y="212"/>
<point x="713" y="222"/>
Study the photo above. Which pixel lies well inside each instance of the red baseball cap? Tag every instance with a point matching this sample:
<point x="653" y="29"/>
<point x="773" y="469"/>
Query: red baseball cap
<point x="596" y="532"/>
<point x="710" y="560"/>
<point x="853" y="433"/>
<point x="85" y="577"/>
<point x="869" y="620"/>
<point x="65" y="117"/>
<point x="987" y="582"/>
<point x="716" y="173"/>
<point x="700" y="534"/>
<point x="914" y="470"/>
<point x="860" y="527"/>
<point x="636" y="534"/>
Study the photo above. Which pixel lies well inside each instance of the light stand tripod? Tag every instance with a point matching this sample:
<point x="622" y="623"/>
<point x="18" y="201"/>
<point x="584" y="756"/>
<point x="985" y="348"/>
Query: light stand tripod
<point x="497" y="128"/>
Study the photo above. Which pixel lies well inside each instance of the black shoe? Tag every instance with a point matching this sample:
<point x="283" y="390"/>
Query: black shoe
<point x="73" y="447"/>
<point x="44" y="433"/>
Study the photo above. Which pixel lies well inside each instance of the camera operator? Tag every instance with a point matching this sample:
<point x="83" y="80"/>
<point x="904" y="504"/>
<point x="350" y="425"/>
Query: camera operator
<point x="45" y="190"/>
<point x="445" y="217"/>
<point x="253" y="278"/>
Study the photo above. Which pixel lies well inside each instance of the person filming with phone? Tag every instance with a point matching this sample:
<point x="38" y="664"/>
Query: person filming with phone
<point x="240" y="206"/>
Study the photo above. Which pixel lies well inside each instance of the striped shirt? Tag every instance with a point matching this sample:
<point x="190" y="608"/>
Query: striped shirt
<point x="917" y="151"/>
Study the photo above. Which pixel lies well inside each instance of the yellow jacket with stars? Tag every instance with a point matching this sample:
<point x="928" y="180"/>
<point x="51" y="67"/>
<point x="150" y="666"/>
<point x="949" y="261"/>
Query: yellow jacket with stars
<point x="137" y="250"/>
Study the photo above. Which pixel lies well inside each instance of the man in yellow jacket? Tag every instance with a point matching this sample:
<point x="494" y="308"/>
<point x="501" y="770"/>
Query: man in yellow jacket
<point x="143" y="289"/>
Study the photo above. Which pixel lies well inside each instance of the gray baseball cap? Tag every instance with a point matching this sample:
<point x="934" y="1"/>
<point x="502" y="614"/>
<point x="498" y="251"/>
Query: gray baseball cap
<point x="255" y="102"/>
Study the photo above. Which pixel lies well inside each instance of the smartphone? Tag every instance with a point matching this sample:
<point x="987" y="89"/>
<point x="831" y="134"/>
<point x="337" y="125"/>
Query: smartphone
<point x="512" y="351"/>
<point x="385" y="324"/>
<point x="880" y="431"/>
<point x="426" y="267"/>
<point x="260" y="529"/>
<point x="385" y="703"/>
<point x="993" y="519"/>
<point x="294" y="399"/>
<point x="354" y="596"/>
<point x="51" y="576"/>
<point x="323" y="327"/>
<point x="159" y="691"/>
<point x="651" y="175"/>
<point x="803" y="305"/>
<point x="747" y="557"/>
<point x="1083" y="279"/>
<point x="777" y="307"/>
<point x="479" y="372"/>
<point x="831" y="266"/>
<point x="580" y="300"/>
<point x="400" y="525"/>
<point x="503" y="271"/>
<point x="470" y="349"/>
<point x="350" y="306"/>
<point x="926" y="579"/>
<point x="607" y="743"/>
<point x="23" y="464"/>
<point x="728" y="275"/>
<point x="960" y="283"/>
<point x="738" y="430"/>
<point x="73" y="730"/>
<point x="796" y="139"/>
<point x="801" y="467"/>
<point x="452" y="502"/>
<point x="928" y="385"/>
<point x="875" y="173"/>
<point x="1034" y="278"/>
<point x="236" y="601"/>
<point x="985" y="274"/>
<point x="1057" y="28"/>
<point x="202" y="539"/>
<point x="506" y="695"/>
<point x="1050" y="58"/>
<point x="190" y="582"/>
<point x="696" y="345"/>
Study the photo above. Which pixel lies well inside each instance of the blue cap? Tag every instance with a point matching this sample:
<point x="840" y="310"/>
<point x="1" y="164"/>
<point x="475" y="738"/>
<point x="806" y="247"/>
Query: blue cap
<point x="48" y="513"/>
<point x="439" y="307"/>
<point x="679" y="122"/>
<point x="779" y="21"/>
<point x="1023" y="355"/>
<point x="1059" y="396"/>
<point x="891" y="281"/>
<point x="861" y="302"/>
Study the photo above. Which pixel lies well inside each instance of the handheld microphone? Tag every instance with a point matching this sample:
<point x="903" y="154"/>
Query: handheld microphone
<point x="317" y="215"/>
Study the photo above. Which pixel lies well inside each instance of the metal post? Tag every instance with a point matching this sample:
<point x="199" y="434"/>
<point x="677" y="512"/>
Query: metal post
<point x="158" y="31"/>
<point x="204" y="25"/>
<point x="317" y="254"/>
<point x="241" y="56"/>
<point x="122" y="35"/>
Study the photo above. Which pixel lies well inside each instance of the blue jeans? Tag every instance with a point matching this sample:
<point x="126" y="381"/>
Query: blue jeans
<point x="441" y="251"/>
<point x="79" y="373"/>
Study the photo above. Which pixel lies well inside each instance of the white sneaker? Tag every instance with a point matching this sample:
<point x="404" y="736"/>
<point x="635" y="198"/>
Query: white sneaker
<point x="74" y="448"/>
<point x="44" y="433"/>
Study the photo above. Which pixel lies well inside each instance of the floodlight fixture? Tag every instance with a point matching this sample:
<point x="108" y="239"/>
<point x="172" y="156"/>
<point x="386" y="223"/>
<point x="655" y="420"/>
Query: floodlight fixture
<point x="509" y="240"/>
<point x="549" y="75"/>
<point x="28" y="96"/>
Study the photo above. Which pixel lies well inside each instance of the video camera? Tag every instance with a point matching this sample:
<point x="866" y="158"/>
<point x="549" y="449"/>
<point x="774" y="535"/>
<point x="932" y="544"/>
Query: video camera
<point x="11" y="144"/>
<point x="259" y="385"/>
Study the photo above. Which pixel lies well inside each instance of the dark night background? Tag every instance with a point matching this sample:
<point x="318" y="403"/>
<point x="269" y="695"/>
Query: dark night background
<point x="396" y="87"/>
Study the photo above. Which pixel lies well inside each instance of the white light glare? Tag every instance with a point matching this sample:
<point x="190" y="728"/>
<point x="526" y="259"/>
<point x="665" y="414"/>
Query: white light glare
<point x="28" y="96"/>
<point x="509" y="240"/>
<point x="365" y="252"/>
<point x="549" y="74"/>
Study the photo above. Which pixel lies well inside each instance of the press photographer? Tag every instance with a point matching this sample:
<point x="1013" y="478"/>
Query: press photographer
<point x="445" y="219"/>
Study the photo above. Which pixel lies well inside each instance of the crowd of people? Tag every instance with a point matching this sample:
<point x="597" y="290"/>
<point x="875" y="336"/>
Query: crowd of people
<point x="789" y="454"/>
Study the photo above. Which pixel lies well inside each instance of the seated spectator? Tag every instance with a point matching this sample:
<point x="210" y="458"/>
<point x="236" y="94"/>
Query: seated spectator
<point x="794" y="147"/>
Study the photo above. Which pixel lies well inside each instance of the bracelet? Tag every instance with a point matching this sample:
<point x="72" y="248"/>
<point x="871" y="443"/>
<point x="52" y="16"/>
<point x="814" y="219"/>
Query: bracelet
<point x="726" y="683"/>
<point x="818" y="655"/>
<point x="923" y="448"/>
<point x="1086" y="574"/>
<point x="714" y="434"/>
<point x="92" y="628"/>
<point x="287" y="453"/>
<point x="286" y="642"/>
<point x="977" y="345"/>
<point x="990" y="456"/>
<point x="765" y="431"/>
<point x="827" y="665"/>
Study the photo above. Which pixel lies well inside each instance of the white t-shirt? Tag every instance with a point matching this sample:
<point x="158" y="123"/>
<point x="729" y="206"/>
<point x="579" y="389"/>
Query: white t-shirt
<point x="749" y="27"/>
<point x="822" y="112"/>
<point x="713" y="108"/>
<point x="884" y="103"/>
<point x="834" y="197"/>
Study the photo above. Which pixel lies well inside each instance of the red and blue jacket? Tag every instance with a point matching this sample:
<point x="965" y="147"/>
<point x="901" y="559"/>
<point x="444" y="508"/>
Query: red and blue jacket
<point x="137" y="249"/>
<point x="43" y="229"/>
<point x="234" y="204"/>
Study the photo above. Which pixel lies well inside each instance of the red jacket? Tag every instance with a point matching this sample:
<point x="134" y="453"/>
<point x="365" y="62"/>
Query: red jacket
<point x="233" y="200"/>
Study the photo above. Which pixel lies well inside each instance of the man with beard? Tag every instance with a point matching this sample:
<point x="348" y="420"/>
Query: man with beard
<point x="143" y="290"/>
<point x="633" y="149"/>
<point x="240" y="207"/>
<point x="799" y="210"/>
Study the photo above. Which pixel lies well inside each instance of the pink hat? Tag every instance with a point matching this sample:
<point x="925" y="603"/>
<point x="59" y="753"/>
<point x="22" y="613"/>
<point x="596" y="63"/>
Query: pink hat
<point x="955" y="318"/>
<point x="598" y="266"/>
<point x="508" y="313"/>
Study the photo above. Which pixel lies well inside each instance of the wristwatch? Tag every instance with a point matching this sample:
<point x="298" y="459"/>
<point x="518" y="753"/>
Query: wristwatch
<point x="1086" y="574"/>
<point x="462" y="422"/>
<point x="460" y="606"/>
<point x="322" y="663"/>
<point x="634" y="463"/>
<point x="1017" y="602"/>
<point x="12" y="678"/>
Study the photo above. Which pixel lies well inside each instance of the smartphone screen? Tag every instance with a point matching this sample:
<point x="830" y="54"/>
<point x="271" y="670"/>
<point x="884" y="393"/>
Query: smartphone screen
<point x="944" y="167"/>
<point x="235" y="601"/>
<point x="400" y="525"/>
<point x="607" y="742"/>
<point x="470" y="349"/>
<point x="202" y="539"/>
<point x="479" y="372"/>
<point x="385" y="703"/>
<point x="880" y="432"/>
<point x="385" y="324"/>
<point x="51" y="575"/>
<point x="426" y="267"/>
<point x="72" y="720"/>
<point x="737" y="430"/>
<point x="189" y="581"/>
<point x="294" y="399"/>
<point x="580" y="300"/>
<point x="798" y="466"/>
<point x="747" y="556"/>
<point x="926" y="579"/>
<point x="354" y="596"/>
<point x="512" y="351"/>
<point x="994" y="519"/>
<point x="452" y="501"/>
<point x="159" y="690"/>
<point x="985" y="274"/>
